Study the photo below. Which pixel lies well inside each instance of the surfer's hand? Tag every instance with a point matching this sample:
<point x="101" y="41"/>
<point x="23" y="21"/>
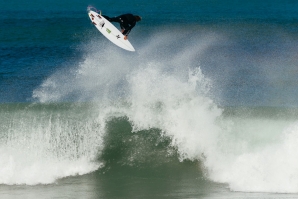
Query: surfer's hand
<point x="125" y="37"/>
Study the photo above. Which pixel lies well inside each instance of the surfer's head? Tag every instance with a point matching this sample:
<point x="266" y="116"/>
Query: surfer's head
<point x="138" y="18"/>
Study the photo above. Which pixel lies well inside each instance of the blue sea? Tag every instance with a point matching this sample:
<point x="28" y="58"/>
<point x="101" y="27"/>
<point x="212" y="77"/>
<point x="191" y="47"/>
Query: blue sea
<point x="207" y="106"/>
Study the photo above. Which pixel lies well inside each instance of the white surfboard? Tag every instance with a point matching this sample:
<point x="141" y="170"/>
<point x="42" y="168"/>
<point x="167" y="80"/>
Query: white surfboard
<point x="109" y="30"/>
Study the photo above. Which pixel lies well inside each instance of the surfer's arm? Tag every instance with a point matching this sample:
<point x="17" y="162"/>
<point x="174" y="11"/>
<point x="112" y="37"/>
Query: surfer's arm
<point x="127" y="30"/>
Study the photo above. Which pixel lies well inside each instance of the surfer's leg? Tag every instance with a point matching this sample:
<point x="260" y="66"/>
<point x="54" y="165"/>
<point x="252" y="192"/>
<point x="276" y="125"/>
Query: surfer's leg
<point x="115" y="19"/>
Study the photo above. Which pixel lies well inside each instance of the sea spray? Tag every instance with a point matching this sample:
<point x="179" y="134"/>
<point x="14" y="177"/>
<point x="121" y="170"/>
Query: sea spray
<point x="166" y="89"/>
<point x="168" y="94"/>
<point x="42" y="143"/>
<point x="163" y="101"/>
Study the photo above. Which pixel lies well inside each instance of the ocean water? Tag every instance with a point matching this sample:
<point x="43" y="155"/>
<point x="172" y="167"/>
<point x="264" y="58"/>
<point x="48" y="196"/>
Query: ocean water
<point x="207" y="106"/>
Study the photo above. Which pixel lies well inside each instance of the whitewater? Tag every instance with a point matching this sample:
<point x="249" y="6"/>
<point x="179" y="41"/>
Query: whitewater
<point x="161" y="89"/>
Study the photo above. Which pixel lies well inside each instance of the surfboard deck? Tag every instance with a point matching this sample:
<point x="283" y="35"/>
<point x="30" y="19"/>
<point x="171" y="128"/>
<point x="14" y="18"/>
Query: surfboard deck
<point x="109" y="30"/>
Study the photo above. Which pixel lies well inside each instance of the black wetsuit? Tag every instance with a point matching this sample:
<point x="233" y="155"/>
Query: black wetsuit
<point x="127" y="22"/>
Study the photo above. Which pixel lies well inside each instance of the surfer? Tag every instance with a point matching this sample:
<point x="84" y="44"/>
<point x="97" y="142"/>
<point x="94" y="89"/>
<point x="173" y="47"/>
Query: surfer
<point x="127" y="22"/>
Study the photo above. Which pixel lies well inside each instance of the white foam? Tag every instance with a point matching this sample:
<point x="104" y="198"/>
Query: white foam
<point x="271" y="168"/>
<point x="40" y="147"/>
<point x="164" y="101"/>
<point x="20" y="167"/>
